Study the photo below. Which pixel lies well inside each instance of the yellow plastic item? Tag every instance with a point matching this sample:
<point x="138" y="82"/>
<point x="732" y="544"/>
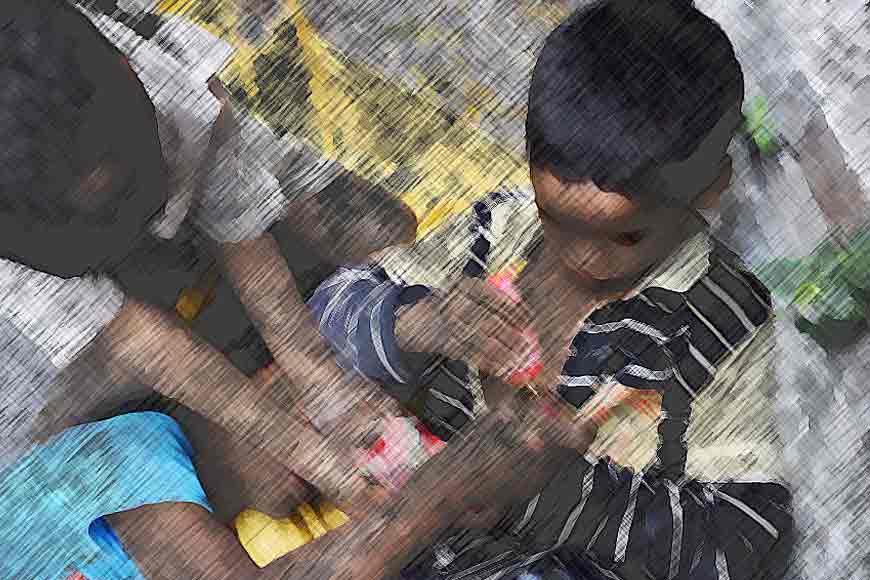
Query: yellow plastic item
<point x="312" y="521"/>
<point x="266" y="539"/>
<point x="332" y="516"/>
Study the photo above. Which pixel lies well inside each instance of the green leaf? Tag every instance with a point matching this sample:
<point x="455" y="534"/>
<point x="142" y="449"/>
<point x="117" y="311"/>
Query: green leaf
<point x="759" y="125"/>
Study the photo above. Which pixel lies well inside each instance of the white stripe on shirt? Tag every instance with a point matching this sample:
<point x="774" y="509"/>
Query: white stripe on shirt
<point x="722" y="565"/>
<point x="710" y="326"/>
<point x="629" y="323"/>
<point x="452" y="402"/>
<point x="757" y="517"/>
<point x="677" y="528"/>
<point x="622" y="535"/>
<point x="729" y="302"/>
<point x="377" y="337"/>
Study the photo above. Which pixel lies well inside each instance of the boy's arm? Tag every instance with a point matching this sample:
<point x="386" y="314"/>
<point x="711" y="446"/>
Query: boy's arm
<point x="324" y="390"/>
<point x="145" y="343"/>
<point x="497" y="462"/>
<point x="178" y="540"/>
<point x="375" y="323"/>
<point x="357" y="311"/>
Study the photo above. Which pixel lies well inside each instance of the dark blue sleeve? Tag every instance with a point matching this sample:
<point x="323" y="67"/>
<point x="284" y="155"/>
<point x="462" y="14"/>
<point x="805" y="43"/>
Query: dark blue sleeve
<point x="356" y="311"/>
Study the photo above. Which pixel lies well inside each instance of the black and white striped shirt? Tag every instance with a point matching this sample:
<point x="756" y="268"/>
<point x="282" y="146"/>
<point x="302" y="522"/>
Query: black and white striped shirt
<point x="681" y="324"/>
<point x="623" y="525"/>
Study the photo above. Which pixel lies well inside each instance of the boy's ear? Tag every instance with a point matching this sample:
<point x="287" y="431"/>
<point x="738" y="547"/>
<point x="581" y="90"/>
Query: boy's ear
<point x="710" y="199"/>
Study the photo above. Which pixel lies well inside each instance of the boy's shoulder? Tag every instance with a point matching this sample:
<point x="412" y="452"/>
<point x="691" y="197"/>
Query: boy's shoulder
<point x="494" y="231"/>
<point x="60" y="316"/>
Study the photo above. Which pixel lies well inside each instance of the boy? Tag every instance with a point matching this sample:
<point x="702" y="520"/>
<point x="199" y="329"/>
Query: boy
<point x="90" y="169"/>
<point x="631" y="111"/>
<point x="100" y="161"/>
<point x="97" y="162"/>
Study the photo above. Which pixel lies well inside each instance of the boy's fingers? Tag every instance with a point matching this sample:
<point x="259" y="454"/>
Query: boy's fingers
<point x="500" y="359"/>
<point x="518" y="311"/>
<point x="479" y="297"/>
<point x="499" y="308"/>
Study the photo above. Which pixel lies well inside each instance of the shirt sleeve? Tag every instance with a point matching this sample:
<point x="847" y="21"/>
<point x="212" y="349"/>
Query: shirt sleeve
<point x="174" y="67"/>
<point x="251" y="176"/>
<point x="25" y="371"/>
<point x="357" y="307"/>
<point x="356" y="311"/>
<point x="61" y="317"/>
<point x="240" y="197"/>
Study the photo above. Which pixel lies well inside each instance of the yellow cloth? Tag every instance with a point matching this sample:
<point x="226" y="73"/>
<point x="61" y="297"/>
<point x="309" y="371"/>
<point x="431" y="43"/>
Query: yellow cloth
<point x="458" y="163"/>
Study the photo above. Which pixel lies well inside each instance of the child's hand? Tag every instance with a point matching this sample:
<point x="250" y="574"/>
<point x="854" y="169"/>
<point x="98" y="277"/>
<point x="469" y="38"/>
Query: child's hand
<point x="473" y="322"/>
<point x="217" y="88"/>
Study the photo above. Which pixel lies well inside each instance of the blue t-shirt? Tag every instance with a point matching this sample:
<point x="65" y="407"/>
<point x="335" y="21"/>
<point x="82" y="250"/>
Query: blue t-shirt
<point x="53" y="501"/>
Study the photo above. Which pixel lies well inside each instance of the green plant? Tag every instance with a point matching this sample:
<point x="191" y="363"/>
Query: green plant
<point x="759" y="125"/>
<point x="830" y="289"/>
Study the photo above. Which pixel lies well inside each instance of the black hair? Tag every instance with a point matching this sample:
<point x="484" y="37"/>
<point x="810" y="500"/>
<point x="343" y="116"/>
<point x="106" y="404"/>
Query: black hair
<point x="53" y="65"/>
<point x="626" y="86"/>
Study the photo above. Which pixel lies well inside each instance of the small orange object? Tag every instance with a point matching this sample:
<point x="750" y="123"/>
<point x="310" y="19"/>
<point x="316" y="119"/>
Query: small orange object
<point x="267" y="376"/>
<point x="193" y="300"/>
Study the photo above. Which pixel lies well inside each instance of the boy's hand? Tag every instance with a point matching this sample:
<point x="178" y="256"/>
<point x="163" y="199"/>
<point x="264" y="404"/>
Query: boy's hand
<point x="505" y="457"/>
<point x="472" y="322"/>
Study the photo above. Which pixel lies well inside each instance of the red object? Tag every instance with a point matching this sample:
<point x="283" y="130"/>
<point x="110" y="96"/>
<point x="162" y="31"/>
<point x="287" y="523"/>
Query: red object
<point x="522" y="377"/>
<point x="403" y="447"/>
<point x="432" y="443"/>
<point x="77" y="576"/>
<point x="379" y="447"/>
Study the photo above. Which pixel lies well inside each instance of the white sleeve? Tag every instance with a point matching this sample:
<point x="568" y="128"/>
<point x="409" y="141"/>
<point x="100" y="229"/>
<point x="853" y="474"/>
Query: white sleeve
<point x="249" y="180"/>
<point x="26" y="374"/>
<point x="240" y="198"/>
<point x="59" y="316"/>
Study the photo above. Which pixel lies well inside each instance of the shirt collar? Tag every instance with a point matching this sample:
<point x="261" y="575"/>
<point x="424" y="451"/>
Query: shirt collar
<point x="680" y="271"/>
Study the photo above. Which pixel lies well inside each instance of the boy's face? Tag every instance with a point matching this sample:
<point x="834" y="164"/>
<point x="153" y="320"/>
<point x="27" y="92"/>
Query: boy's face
<point x="102" y="179"/>
<point x="608" y="238"/>
<point x="120" y="155"/>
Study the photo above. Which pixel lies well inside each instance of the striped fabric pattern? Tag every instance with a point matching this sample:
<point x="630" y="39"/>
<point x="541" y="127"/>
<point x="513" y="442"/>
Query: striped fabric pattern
<point x="625" y="525"/>
<point x="671" y="342"/>
<point x="660" y="339"/>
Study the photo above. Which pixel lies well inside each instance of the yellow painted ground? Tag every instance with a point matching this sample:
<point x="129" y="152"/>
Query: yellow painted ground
<point x="371" y="125"/>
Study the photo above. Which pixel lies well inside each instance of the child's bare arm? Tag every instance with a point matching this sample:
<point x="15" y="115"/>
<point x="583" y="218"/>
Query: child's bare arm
<point x="494" y="464"/>
<point x="147" y="344"/>
<point x="324" y="391"/>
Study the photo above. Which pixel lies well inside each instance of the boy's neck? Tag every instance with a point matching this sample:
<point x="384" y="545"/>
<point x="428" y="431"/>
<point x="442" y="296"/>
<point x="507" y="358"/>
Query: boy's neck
<point x="546" y="280"/>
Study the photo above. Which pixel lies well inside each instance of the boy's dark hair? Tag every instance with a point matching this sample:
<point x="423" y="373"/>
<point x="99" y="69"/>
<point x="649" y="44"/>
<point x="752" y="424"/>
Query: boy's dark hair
<point x="46" y="122"/>
<point x="626" y="86"/>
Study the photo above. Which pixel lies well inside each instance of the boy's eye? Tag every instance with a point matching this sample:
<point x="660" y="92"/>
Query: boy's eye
<point x="629" y="238"/>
